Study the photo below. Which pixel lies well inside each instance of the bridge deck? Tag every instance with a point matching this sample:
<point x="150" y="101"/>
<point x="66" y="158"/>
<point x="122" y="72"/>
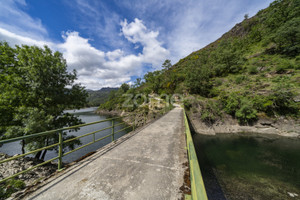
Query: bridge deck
<point x="148" y="165"/>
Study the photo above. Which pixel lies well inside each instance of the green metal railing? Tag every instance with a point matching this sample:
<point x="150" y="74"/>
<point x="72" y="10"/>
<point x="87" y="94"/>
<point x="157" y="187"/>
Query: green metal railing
<point x="198" y="191"/>
<point x="60" y="143"/>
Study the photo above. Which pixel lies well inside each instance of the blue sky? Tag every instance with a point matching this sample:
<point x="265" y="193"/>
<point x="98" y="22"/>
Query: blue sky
<point x="110" y="42"/>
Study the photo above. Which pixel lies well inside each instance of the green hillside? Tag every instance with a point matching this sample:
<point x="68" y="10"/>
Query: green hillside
<point x="251" y="71"/>
<point x="95" y="98"/>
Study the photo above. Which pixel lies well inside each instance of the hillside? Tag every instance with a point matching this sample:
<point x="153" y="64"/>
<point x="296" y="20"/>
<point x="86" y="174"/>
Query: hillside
<point x="95" y="98"/>
<point x="251" y="72"/>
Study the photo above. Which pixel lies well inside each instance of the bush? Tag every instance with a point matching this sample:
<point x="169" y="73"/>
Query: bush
<point x="241" y="78"/>
<point x="11" y="187"/>
<point x="288" y="36"/>
<point x="246" y="113"/>
<point x="283" y="66"/>
<point x="187" y="104"/>
<point x="210" y="112"/>
<point x="231" y="103"/>
<point x="252" y="69"/>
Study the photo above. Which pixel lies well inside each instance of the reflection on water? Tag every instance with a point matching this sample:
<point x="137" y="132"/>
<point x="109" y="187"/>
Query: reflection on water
<point x="86" y="115"/>
<point x="251" y="166"/>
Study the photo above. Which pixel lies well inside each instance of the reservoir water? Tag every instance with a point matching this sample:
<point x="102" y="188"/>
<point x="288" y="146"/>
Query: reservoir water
<point x="249" y="166"/>
<point x="86" y="115"/>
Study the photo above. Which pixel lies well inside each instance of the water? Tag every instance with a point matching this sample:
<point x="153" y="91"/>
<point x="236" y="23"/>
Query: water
<point x="249" y="166"/>
<point x="86" y="115"/>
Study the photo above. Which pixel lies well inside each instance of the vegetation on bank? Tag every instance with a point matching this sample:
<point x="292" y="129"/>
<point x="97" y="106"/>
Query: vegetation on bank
<point x="252" y="71"/>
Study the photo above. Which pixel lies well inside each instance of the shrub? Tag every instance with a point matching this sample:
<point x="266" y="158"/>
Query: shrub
<point x="231" y="103"/>
<point x="283" y="66"/>
<point x="241" y="78"/>
<point x="11" y="187"/>
<point x="252" y="69"/>
<point x="187" y="104"/>
<point x="210" y="112"/>
<point x="246" y="113"/>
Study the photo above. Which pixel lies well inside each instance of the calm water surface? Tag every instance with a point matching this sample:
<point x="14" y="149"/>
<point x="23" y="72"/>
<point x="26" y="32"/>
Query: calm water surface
<point x="86" y="115"/>
<point x="249" y="166"/>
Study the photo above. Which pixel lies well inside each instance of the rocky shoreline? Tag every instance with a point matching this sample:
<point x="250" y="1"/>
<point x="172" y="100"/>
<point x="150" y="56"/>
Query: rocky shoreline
<point x="281" y="126"/>
<point x="14" y="166"/>
<point x="27" y="179"/>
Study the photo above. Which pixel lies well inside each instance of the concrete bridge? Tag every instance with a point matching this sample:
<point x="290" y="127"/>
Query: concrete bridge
<point x="145" y="164"/>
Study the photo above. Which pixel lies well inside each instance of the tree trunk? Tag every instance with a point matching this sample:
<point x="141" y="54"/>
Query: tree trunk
<point x="44" y="154"/>
<point x="45" y="151"/>
<point x="38" y="155"/>
<point x="23" y="146"/>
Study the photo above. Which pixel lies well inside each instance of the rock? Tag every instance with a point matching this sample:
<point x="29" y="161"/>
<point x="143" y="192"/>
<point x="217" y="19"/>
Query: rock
<point x="280" y="126"/>
<point x="12" y="167"/>
<point x="292" y="194"/>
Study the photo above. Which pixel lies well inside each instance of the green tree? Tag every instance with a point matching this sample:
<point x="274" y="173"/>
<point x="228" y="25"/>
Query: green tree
<point x="154" y="80"/>
<point x="288" y="37"/>
<point x="125" y="87"/>
<point x="198" y="80"/>
<point x="35" y="89"/>
<point x="167" y="64"/>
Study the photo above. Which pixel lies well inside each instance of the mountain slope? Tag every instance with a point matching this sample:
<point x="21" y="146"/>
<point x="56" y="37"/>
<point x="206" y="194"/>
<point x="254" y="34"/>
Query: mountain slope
<point x="95" y="98"/>
<point x="252" y="71"/>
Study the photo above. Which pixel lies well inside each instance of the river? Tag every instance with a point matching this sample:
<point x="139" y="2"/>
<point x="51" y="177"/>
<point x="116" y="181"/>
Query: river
<point x="86" y="115"/>
<point x="249" y="166"/>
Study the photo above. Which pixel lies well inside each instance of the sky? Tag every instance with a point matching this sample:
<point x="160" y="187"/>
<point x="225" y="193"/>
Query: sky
<point x="110" y="42"/>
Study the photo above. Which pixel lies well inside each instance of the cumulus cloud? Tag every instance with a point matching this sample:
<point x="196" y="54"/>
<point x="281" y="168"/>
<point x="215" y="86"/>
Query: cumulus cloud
<point x="153" y="52"/>
<point x="96" y="68"/>
<point x="79" y="53"/>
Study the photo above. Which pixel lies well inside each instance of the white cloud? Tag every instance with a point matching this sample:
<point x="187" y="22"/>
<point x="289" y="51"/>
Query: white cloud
<point x="15" y="39"/>
<point x="15" y="20"/>
<point x="79" y="53"/>
<point x="96" y="68"/>
<point x="153" y="52"/>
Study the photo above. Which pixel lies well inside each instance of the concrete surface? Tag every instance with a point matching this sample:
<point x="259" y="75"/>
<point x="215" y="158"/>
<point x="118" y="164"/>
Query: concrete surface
<point x="147" y="165"/>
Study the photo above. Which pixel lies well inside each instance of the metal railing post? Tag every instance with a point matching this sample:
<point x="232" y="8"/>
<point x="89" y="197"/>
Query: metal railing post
<point x="60" y="150"/>
<point x="113" y="131"/>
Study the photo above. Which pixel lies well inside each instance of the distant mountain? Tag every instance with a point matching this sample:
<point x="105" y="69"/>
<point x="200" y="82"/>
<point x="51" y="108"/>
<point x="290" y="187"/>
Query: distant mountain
<point x="96" y="97"/>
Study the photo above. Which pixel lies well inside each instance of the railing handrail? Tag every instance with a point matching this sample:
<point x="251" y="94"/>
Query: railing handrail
<point x="198" y="191"/>
<point x="54" y="131"/>
<point x="61" y="142"/>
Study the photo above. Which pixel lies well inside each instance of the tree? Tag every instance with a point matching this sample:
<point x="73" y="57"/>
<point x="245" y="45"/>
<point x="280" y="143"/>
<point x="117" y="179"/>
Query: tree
<point x="198" y="80"/>
<point x="288" y="37"/>
<point x="167" y="64"/>
<point x="35" y="89"/>
<point x="125" y="87"/>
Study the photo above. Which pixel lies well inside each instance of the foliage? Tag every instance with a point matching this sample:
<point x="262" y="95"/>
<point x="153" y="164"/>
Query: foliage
<point x="246" y="113"/>
<point x="198" y="81"/>
<point x="95" y="98"/>
<point x="287" y="37"/>
<point x="9" y="187"/>
<point x="252" y="69"/>
<point x="35" y="89"/>
<point x="210" y="112"/>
